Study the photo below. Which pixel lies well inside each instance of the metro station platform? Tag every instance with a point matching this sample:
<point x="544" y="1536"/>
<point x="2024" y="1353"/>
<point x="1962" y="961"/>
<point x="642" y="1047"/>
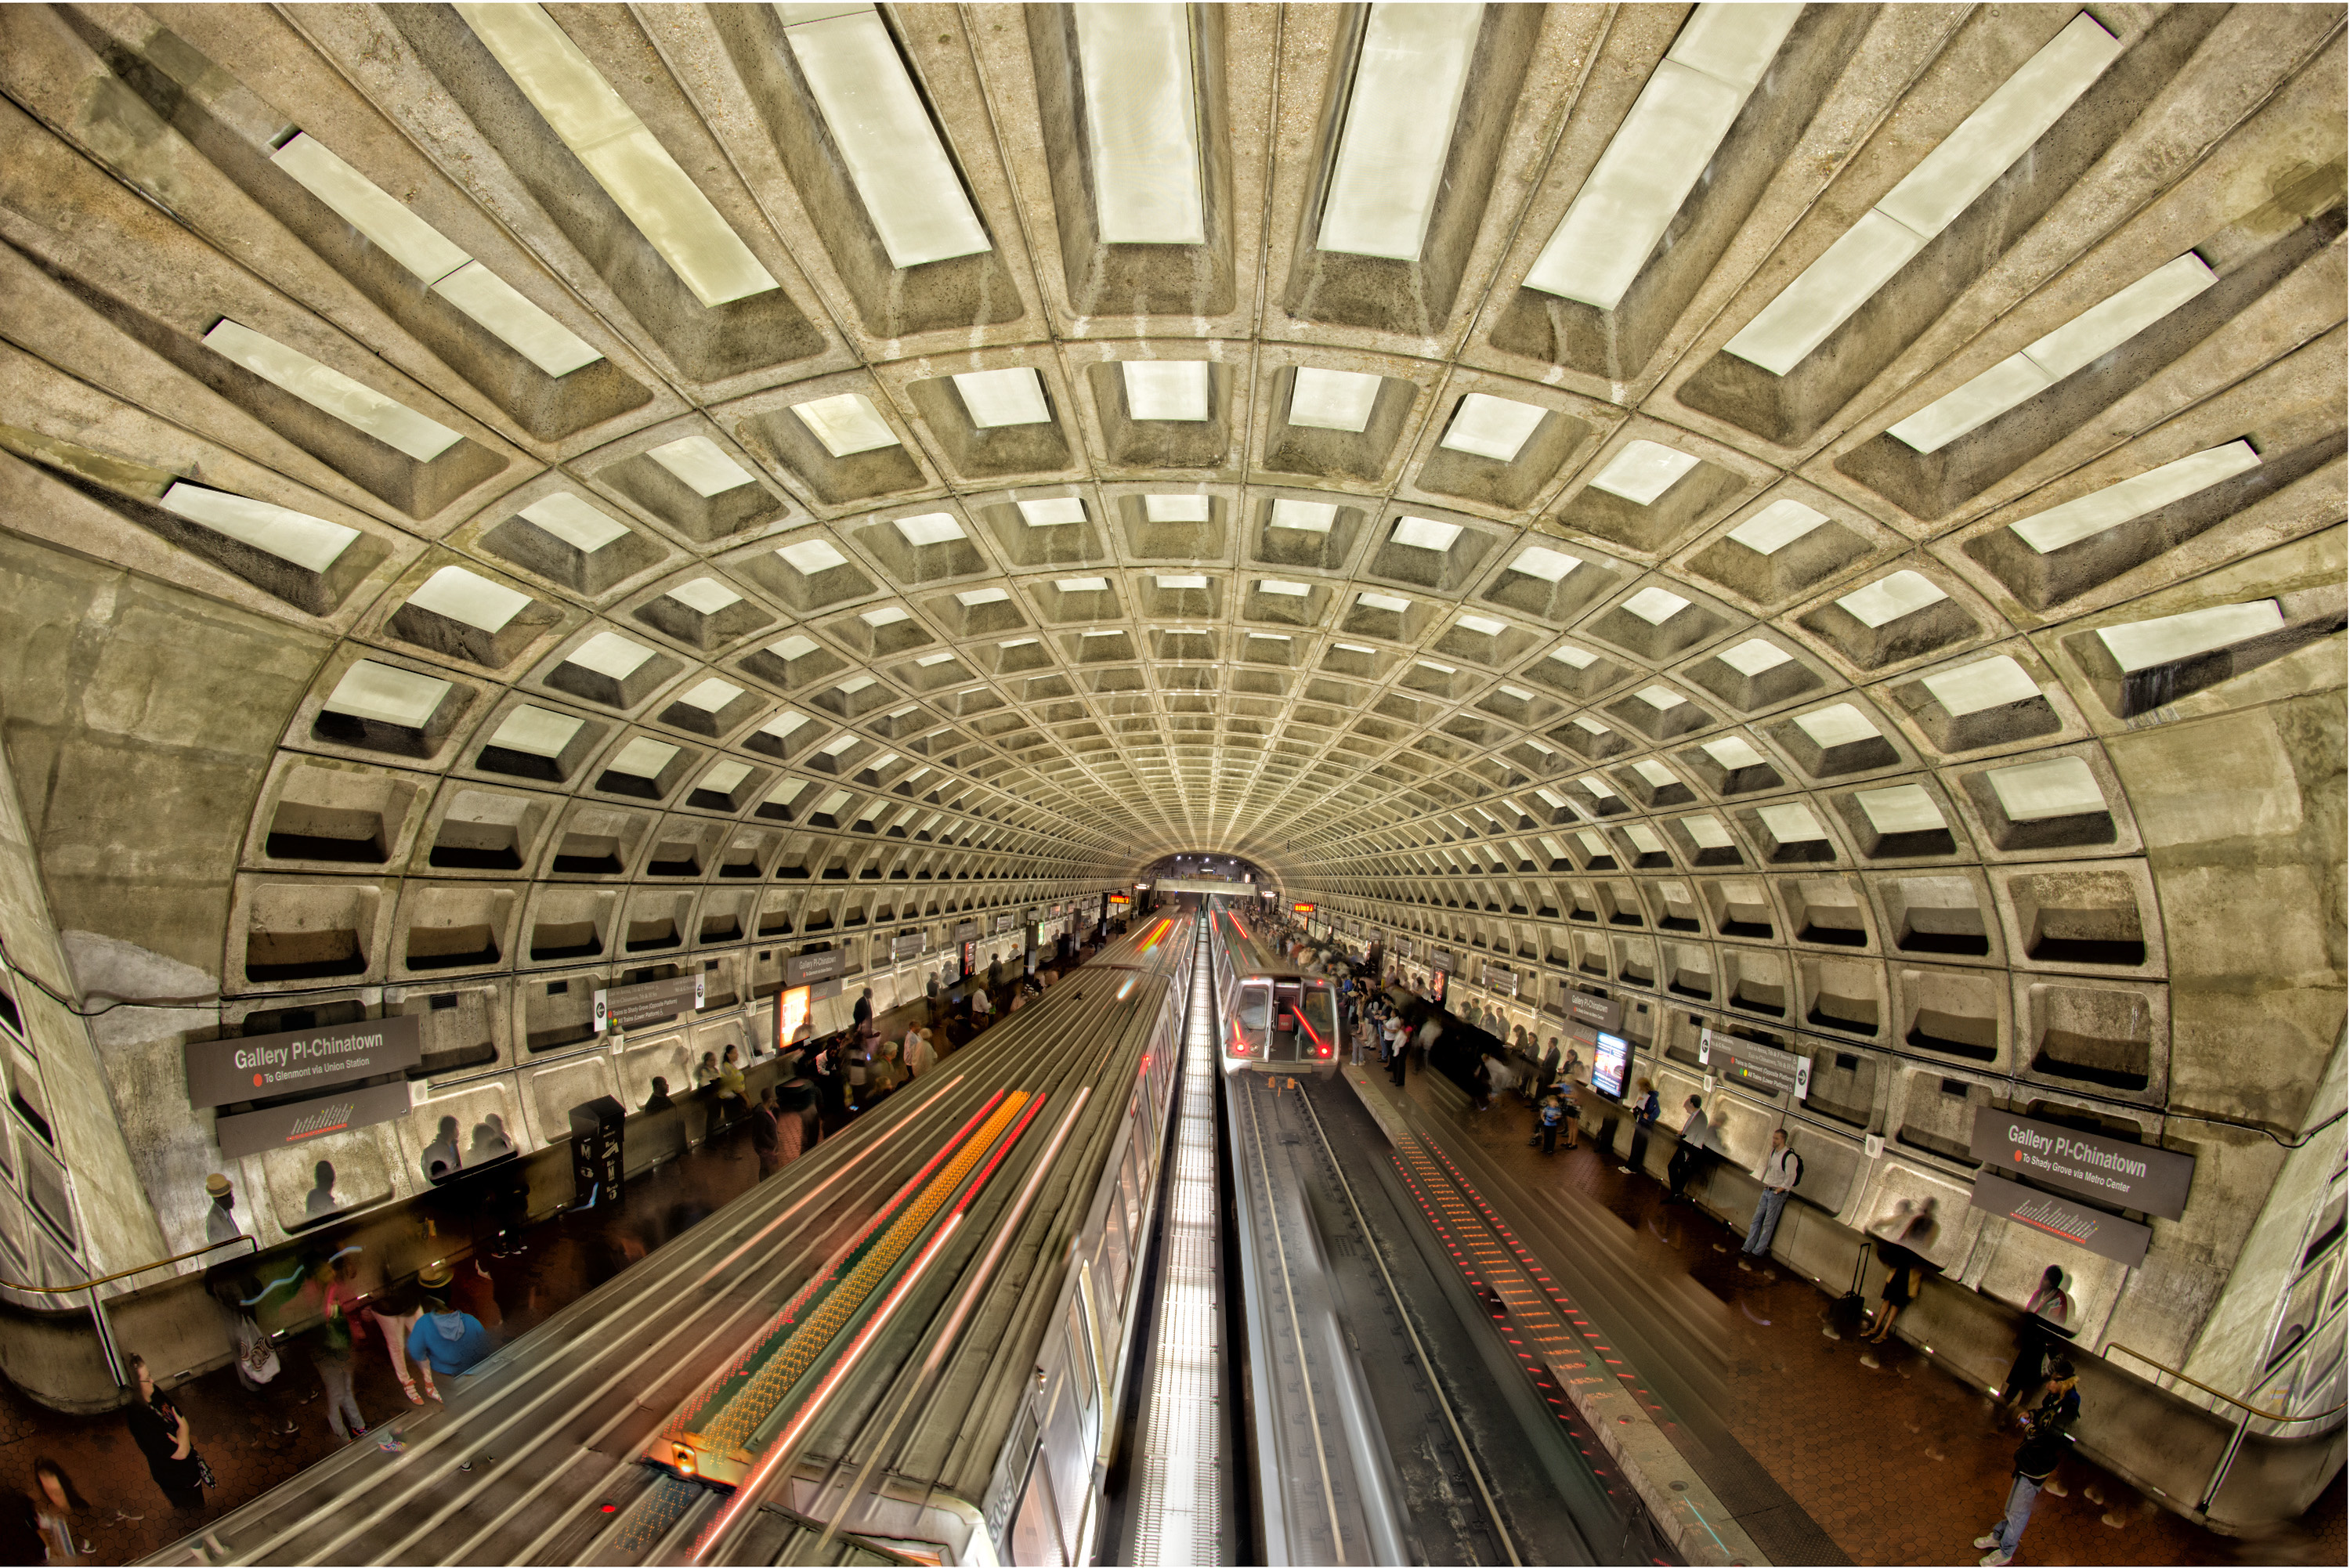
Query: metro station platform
<point x="1899" y="1464"/>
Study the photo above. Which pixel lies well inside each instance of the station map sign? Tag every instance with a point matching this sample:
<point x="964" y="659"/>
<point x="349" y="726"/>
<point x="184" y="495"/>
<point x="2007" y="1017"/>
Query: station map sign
<point x="1765" y="1067"/>
<point x="628" y="1007"/>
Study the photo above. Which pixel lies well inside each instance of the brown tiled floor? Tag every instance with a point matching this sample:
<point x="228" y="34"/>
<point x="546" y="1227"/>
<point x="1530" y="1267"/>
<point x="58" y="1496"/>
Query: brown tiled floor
<point x="1898" y="1465"/>
<point x="243" y="1435"/>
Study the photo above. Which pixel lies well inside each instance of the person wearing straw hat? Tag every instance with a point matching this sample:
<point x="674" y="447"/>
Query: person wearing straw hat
<point x="220" y="1219"/>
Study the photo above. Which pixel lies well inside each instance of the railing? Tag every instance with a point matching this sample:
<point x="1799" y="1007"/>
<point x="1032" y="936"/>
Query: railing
<point x="98" y="1310"/>
<point x="2243" y="1424"/>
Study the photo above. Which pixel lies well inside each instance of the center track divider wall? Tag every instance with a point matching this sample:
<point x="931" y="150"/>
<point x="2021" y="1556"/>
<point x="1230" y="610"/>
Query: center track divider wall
<point x="899" y="1348"/>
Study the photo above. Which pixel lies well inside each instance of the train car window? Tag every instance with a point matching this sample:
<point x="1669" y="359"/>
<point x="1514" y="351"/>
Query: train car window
<point x="1036" y="1536"/>
<point x="1320" y="1017"/>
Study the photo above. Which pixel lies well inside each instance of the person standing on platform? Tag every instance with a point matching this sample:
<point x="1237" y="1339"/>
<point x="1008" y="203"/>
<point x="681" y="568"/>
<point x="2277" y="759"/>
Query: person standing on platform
<point x="1645" y="1111"/>
<point x="1686" y="1158"/>
<point x="766" y="1135"/>
<point x="862" y="1014"/>
<point x="1548" y="1115"/>
<point x="448" y="1343"/>
<point x="331" y="1348"/>
<point x="1783" y="1167"/>
<point x="220" y="1218"/>
<point x="162" y="1435"/>
<point x="396" y="1309"/>
<point x="982" y="1009"/>
<point x="2045" y="1319"/>
<point x="1570" y="1099"/>
<point x="931" y="993"/>
<point x="2047" y="1434"/>
<point x="920" y="1055"/>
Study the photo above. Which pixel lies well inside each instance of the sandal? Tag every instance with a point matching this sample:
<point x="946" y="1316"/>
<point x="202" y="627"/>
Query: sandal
<point x="408" y="1389"/>
<point x="430" y="1392"/>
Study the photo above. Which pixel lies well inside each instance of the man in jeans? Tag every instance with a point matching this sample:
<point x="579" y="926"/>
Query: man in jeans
<point x="1782" y="1168"/>
<point x="1692" y="1149"/>
<point x="2047" y="1434"/>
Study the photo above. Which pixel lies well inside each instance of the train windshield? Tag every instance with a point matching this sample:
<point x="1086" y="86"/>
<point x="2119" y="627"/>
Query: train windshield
<point x="1320" y="1022"/>
<point x="1255" y="1011"/>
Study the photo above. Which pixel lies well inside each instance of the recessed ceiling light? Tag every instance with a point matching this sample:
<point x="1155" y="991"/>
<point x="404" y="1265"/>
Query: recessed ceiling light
<point x="1402" y="104"/>
<point x="1425" y="533"/>
<point x="710" y="695"/>
<point x="1904" y="808"/>
<point x="1332" y="400"/>
<point x="1754" y="656"/>
<point x="1657" y="155"/>
<point x="725" y="777"/>
<point x="1792" y="822"/>
<point x="1306" y="517"/>
<point x="929" y="528"/>
<point x="1142" y="124"/>
<point x="1986" y="144"/>
<point x="1165" y="389"/>
<point x="2088" y="336"/>
<point x="971" y="598"/>
<point x="1440" y="669"/>
<point x="574" y="521"/>
<point x="884" y="133"/>
<point x="1591" y="726"/>
<point x="1840" y="725"/>
<point x="1776" y="527"/>
<point x="362" y="408"/>
<point x="1285" y="589"/>
<point x="933" y="660"/>
<point x="1482" y="625"/>
<point x="1550" y="565"/>
<point x="2115" y="504"/>
<point x="311" y="543"/>
<point x="1973" y="688"/>
<point x="2036" y="792"/>
<point x="1598" y="787"/>
<point x="387" y="694"/>
<point x="1179" y="580"/>
<point x="1655" y="772"/>
<point x="1052" y="512"/>
<point x="2144" y="644"/>
<point x="1492" y="427"/>
<point x="698" y="461"/>
<point x="1387" y="602"/>
<point x="1643" y="471"/>
<point x="1659" y="698"/>
<point x="535" y="731"/>
<point x="888" y="614"/>
<point x="1082" y="585"/>
<point x="619" y="152"/>
<point x="810" y="556"/>
<point x="793" y="646"/>
<point x="609" y="653"/>
<point x="847" y="423"/>
<point x="706" y="594"/>
<point x="1733" y="752"/>
<point x="1656" y="605"/>
<point x="1180" y="508"/>
<point x="1575" y="656"/>
<point x="1890" y="597"/>
<point x="853" y="685"/>
<point x="995" y="399"/>
<point x="462" y="595"/>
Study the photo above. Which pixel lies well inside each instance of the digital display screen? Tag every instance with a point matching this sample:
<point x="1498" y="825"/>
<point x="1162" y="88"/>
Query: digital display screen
<point x="1438" y="988"/>
<point x="1611" y="1059"/>
<point x="791" y="1011"/>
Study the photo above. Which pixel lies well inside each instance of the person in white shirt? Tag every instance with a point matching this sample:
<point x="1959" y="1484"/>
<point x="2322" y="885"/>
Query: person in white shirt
<point x="1782" y="1168"/>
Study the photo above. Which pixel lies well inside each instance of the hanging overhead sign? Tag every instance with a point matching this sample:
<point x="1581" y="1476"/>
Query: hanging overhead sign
<point x="906" y="944"/>
<point x="626" y="1007"/>
<point x="1599" y="1012"/>
<point x="283" y="1127"/>
<point x="301" y="1062"/>
<point x="802" y="968"/>
<point x="2090" y="1230"/>
<point x="1758" y="1066"/>
<point x="1500" y="980"/>
<point x="2103" y="1169"/>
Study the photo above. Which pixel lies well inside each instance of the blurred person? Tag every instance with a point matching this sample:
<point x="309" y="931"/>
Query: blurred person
<point x="163" y="1435"/>
<point x="1691" y="1151"/>
<point x="331" y="1345"/>
<point x="55" y="1502"/>
<point x="1645" y="1111"/>
<point x="2047" y="1316"/>
<point x="2047" y="1434"/>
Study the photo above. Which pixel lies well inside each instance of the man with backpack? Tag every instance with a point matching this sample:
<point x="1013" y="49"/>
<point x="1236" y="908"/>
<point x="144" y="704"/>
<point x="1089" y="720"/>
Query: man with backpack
<point x="1685" y="1158"/>
<point x="1782" y="1168"/>
<point x="2047" y="1434"/>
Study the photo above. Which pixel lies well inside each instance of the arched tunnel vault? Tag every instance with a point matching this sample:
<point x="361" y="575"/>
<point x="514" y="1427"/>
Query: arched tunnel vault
<point x="495" y="497"/>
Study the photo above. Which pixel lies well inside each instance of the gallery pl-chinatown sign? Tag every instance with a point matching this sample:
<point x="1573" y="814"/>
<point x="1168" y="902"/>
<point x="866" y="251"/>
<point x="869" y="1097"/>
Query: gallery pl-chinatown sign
<point x="2107" y="1171"/>
<point x="302" y="1061"/>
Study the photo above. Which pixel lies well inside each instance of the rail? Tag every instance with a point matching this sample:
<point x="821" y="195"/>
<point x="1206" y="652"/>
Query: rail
<point x="98" y="1308"/>
<point x="2243" y="1425"/>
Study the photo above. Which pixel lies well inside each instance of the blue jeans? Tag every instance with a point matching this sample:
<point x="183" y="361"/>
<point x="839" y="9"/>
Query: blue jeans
<point x="2008" y="1532"/>
<point x="1766" y="1225"/>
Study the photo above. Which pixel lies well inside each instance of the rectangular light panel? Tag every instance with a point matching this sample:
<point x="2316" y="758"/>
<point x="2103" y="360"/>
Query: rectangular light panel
<point x="1643" y="471"/>
<point x="2117" y="504"/>
<point x="2142" y="645"/>
<point x="535" y="731"/>
<point x="387" y="694"/>
<point x="620" y="151"/>
<point x="1840" y="725"/>
<point x="1409" y="79"/>
<point x="1550" y="565"/>
<point x="2035" y="792"/>
<point x="1904" y="808"/>
<point x="1944" y="183"/>
<point x="1306" y="517"/>
<point x="1657" y="155"/>
<point x="809" y="556"/>
<point x="1492" y="427"/>
<point x="574" y="521"/>
<point x="516" y="320"/>
<point x="997" y="398"/>
<point x="1178" y="508"/>
<point x="1332" y="400"/>
<point x="1891" y="597"/>
<point x="609" y="653"/>
<point x="475" y="601"/>
<point x="387" y="223"/>
<point x="2096" y="332"/>
<point x="884" y="133"/>
<point x="1179" y="580"/>
<point x="310" y="543"/>
<point x="1656" y="605"/>
<point x="1706" y="832"/>
<point x="698" y="462"/>
<point x="1142" y="124"/>
<point x="1973" y="688"/>
<point x="1388" y="602"/>
<point x="1082" y="585"/>
<point x="1732" y="752"/>
<point x="1754" y="656"/>
<point x="1776" y="527"/>
<point x="1792" y="822"/>
<point x="1165" y="389"/>
<point x="724" y="778"/>
<point x="362" y="408"/>
<point x="1284" y="590"/>
<point x="847" y="423"/>
<point x="1425" y="533"/>
<point x="929" y="528"/>
<point x="1484" y="626"/>
<point x="710" y="695"/>
<point x="707" y="595"/>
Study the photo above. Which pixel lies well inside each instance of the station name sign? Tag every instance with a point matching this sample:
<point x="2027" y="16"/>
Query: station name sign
<point x="1759" y="1066"/>
<point x="303" y="1061"/>
<point x="2103" y="1169"/>
<point x="628" y="1007"/>
<point x="802" y="968"/>
<point x="1599" y="1012"/>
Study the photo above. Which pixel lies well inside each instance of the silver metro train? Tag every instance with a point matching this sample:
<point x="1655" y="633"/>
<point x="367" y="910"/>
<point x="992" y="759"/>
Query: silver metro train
<point x="1271" y="1016"/>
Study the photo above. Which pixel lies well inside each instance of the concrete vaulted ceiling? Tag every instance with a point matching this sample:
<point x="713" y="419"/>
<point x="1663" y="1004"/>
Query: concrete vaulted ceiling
<point x="1865" y="481"/>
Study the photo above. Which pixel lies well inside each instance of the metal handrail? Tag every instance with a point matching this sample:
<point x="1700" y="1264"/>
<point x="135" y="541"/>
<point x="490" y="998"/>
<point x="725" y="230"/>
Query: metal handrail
<point x="2239" y="1404"/>
<point x="126" y="1274"/>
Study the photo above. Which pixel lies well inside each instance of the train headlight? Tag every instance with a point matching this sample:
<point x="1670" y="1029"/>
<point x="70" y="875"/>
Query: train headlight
<point x="685" y="1462"/>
